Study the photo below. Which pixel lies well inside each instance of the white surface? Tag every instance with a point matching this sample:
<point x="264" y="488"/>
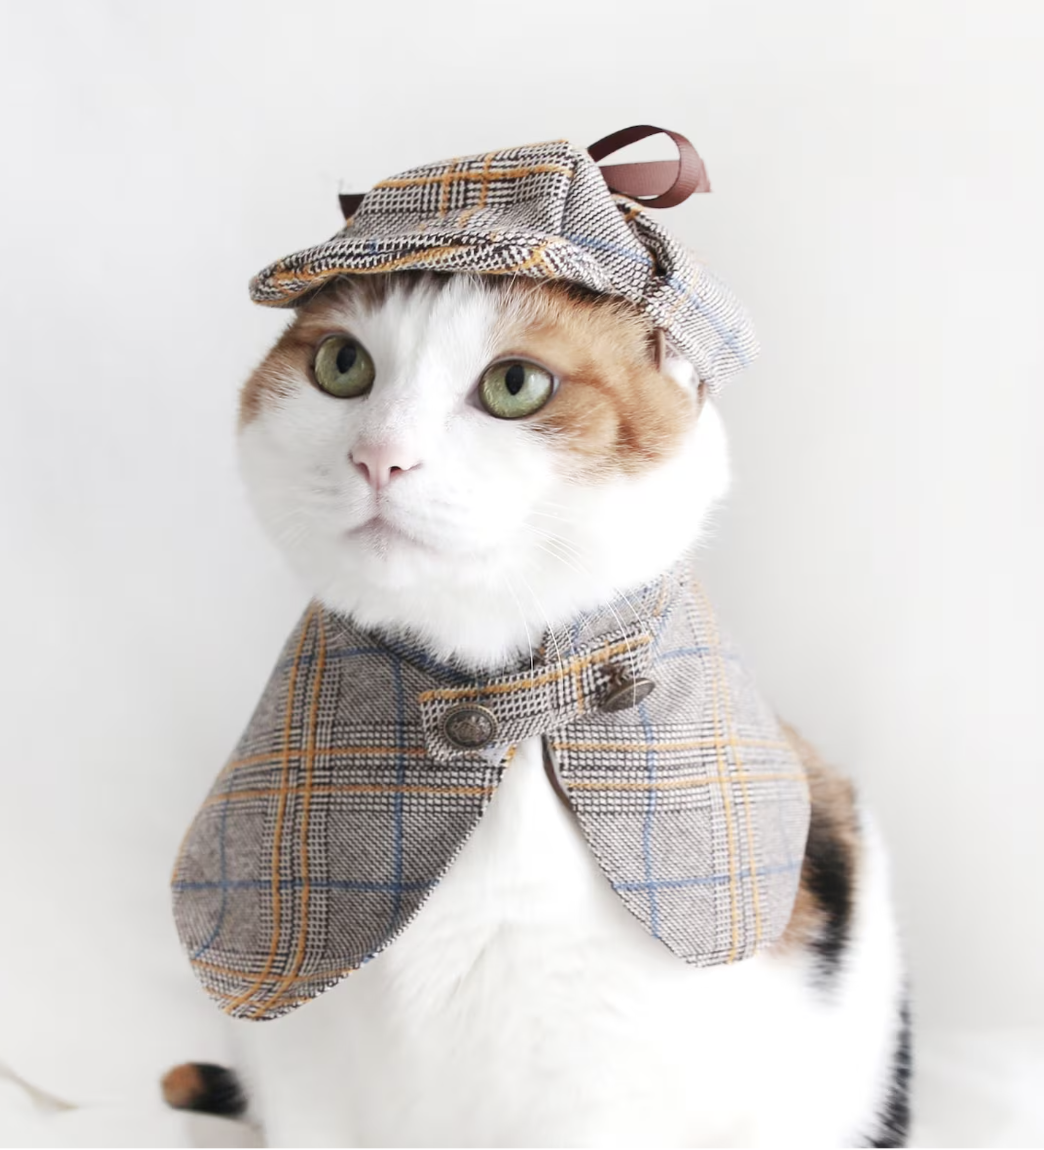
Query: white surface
<point x="29" y="1119"/>
<point x="973" y="1089"/>
<point x="877" y="173"/>
<point x="980" y="1088"/>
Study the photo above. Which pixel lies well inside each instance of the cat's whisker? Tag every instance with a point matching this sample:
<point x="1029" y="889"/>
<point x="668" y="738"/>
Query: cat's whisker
<point x="554" y="504"/>
<point x="540" y="607"/>
<point x="550" y="515"/>
<point x="289" y="528"/>
<point x="525" y="624"/>
<point x="576" y="553"/>
<point x="583" y="570"/>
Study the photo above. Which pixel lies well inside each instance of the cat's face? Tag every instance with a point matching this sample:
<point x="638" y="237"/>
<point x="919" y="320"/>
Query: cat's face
<point x="410" y="493"/>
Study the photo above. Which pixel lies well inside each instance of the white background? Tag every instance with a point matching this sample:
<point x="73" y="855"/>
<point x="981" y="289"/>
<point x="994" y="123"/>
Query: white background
<point x="877" y="173"/>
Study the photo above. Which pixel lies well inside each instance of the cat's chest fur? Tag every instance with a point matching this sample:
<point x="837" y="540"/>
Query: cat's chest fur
<point x="524" y="1005"/>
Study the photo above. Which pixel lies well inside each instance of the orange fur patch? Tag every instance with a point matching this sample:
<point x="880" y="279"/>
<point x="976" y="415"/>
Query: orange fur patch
<point x="291" y="357"/>
<point x="614" y="412"/>
<point x="183" y="1086"/>
<point x="204" y="1087"/>
<point x="266" y="383"/>
<point x="833" y="806"/>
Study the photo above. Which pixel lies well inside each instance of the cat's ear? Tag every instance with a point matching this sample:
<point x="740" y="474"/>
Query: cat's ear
<point x="672" y="363"/>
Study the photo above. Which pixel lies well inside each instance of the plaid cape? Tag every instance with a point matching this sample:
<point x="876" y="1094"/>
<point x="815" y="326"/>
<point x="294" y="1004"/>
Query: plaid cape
<point x="347" y="799"/>
<point x="543" y="211"/>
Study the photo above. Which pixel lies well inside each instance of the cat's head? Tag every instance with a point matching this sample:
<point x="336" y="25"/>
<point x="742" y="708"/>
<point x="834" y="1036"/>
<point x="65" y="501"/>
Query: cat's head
<point x="476" y="458"/>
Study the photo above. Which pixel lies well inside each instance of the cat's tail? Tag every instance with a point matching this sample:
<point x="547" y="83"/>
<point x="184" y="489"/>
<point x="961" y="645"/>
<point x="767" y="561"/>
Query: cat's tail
<point x="205" y="1087"/>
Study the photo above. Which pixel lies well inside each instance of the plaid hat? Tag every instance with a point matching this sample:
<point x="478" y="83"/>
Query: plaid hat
<point x="544" y="211"/>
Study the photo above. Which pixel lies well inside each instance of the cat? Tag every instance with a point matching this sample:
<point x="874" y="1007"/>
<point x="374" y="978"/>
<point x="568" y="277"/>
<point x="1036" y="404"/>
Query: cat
<point x="524" y="1006"/>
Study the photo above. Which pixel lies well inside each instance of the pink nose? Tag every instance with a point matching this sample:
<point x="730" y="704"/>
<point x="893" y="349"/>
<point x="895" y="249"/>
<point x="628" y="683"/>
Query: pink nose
<point x="380" y="463"/>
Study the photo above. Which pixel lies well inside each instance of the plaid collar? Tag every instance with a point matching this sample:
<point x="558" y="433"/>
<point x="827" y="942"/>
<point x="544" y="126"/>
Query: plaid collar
<point x="367" y="765"/>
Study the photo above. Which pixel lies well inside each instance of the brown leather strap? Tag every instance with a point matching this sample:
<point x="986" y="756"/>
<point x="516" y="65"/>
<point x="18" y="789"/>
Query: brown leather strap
<point x="551" y="770"/>
<point x="655" y="183"/>
<point x="659" y="345"/>
<point x="350" y="202"/>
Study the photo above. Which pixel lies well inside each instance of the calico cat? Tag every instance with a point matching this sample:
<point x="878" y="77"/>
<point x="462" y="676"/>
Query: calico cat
<point x="475" y="460"/>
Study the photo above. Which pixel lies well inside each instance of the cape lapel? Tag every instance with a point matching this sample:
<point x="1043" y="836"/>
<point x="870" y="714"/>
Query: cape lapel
<point x="367" y="765"/>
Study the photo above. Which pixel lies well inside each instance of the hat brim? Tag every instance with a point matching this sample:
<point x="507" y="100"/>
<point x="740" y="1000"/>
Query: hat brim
<point x="700" y="317"/>
<point x="290" y="281"/>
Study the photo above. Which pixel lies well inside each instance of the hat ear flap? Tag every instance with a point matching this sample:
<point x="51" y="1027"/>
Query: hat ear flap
<point x="682" y="372"/>
<point x="670" y="362"/>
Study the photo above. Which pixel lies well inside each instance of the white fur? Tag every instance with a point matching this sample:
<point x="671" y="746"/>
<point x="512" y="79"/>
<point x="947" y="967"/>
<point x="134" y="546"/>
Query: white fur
<point x="504" y="539"/>
<point x="524" y="1005"/>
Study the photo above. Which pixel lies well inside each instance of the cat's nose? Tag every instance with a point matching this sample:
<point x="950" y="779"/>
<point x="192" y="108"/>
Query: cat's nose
<point x="380" y="463"/>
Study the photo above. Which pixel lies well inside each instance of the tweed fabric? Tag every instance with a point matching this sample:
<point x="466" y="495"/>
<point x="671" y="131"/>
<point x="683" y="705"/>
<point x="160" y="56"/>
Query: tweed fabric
<point x="542" y="211"/>
<point x="345" y="802"/>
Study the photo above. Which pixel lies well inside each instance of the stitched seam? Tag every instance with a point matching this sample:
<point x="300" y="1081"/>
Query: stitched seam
<point x="306" y="806"/>
<point x="219" y="969"/>
<point x="308" y="270"/>
<point x="445" y="180"/>
<point x="354" y="789"/>
<point x="325" y="752"/>
<point x="740" y="770"/>
<point x="454" y="176"/>
<point x="483" y="193"/>
<point x="539" y="680"/>
<point x="535" y="256"/>
<point x="678" y="784"/>
<point x="724" y="784"/>
<point x="280" y="814"/>
<point x="707" y="744"/>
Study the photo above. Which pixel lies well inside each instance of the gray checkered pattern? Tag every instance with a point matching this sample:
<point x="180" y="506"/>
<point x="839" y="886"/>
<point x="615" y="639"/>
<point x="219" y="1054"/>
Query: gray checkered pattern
<point x="542" y="211"/>
<point x="344" y="802"/>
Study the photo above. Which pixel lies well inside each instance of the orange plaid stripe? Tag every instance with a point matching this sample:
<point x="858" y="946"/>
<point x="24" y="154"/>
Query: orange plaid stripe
<point x="473" y="176"/>
<point x="277" y="842"/>
<point x="701" y="741"/>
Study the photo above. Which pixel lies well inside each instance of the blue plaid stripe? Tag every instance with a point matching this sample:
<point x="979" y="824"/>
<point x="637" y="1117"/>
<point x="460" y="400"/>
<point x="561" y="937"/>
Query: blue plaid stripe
<point x="396" y="886"/>
<point x="400" y="778"/>
<point x="703" y="879"/>
<point x="223" y="883"/>
<point x="387" y="803"/>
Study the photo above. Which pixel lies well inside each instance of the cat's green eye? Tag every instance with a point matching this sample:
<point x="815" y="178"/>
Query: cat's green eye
<point x="514" y="388"/>
<point x="343" y="367"/>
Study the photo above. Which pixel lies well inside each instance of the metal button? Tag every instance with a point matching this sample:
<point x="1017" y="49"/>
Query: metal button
<point x="625" y="691"/>
<point x="469" y="726"/>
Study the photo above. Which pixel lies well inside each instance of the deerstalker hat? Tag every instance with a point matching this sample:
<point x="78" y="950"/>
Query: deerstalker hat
<point x="544" y="211"/>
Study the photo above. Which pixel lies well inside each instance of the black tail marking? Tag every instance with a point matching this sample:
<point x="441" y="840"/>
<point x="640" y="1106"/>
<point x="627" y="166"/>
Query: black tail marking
<point x="894" y="1121"/>
<point x="830" y="879"/>
<point x="205" y="1087"/>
